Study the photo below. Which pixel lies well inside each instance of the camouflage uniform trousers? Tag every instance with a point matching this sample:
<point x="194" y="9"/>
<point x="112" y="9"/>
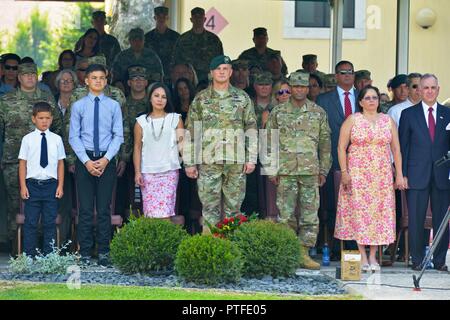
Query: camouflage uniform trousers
<point x="215" y="180"/>
<point x="65" y="207"/>
<point x="11" y="177"/>
<point x="304" y="191"/>
<point x="3" y="215"/>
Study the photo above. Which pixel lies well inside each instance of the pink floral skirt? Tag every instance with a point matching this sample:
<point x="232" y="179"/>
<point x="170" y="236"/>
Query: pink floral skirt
<point x="159" y="194"/>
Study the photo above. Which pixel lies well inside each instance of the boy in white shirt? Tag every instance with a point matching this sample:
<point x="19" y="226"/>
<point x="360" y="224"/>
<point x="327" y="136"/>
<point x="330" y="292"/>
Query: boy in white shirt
<point x="41" y="178"/>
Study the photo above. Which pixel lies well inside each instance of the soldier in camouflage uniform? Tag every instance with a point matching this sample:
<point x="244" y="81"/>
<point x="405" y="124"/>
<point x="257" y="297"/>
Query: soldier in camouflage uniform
<point x="16" y="109"/>
<point x="217" y="116"/>
<point x="362" y="79"/>
<point x="137" y="54"/>
<point x="304" y="161"/>
<point x="162" y="40"/>
<point x="197" y="46"/>
<point x="310" y="64"/>
<point x="109" y="45"/>
<point x="329" y="82"/>
<point x="399" y="90"/>
<point x="259" y="54"/>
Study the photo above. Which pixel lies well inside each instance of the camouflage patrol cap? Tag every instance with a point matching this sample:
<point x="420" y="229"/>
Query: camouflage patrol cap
<point x="197" y="10"/>
<point x="329" y="80"/>
<point x="299" y="79"/>
<point x="259" y="32"/>
<point x="137" y="71"/>
<point x="27" y="68"/>
<point x="218" y="60"/>
<point x="362" y="74"/>
<point x="161" y="10"/>
<point x="98" y="59"/>
<point x="136" y="33"/>
<point x="263" y="78"/>
<point x="309" y="58"/>
<point x="239" y="64"/>
<point x="98" y="14"/>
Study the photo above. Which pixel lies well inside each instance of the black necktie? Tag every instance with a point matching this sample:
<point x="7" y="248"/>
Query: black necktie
<point x="44" y="154"/>
<point x="96" y="135"/>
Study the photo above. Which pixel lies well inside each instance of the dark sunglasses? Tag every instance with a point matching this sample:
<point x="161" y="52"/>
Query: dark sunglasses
<point x="415" y="86"/>
<point x="280" y="92"/>
<point x="345" y="72"/>
<point x="8" y="67"/>
<point x="82" y="70"/>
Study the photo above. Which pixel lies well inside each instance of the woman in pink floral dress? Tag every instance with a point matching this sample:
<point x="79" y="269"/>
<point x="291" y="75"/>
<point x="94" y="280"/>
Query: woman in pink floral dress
<point x="366" y="203"/>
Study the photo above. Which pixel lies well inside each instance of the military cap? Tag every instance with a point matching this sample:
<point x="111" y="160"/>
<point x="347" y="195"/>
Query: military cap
<point x="398" y="80"/>
<point x="308" y="58"/>
<point x="161" y="10"/>
<point x="98" y="14"/>
<point x="136" y="33"/>
<point x="259" y="32"/>
<point x="98" y="59"/>
<point x="263" y="78"/>
<point x="239" y="64"/>
<point x="218" y="60"/>
<point x="197" y="10"/>
<point x="137" y="71"/>
<point x="362" y="74"/>
<point x="27" y="68"/>
<point x="329" y="80"/>
<point x="299" y="79"/>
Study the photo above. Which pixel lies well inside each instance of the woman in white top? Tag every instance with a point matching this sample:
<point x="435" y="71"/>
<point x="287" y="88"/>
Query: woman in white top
<point x="157" y="136"/>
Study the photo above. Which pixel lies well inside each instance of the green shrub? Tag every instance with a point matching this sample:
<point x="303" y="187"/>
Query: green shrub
<point x="146" y="245"/>
<point x="209" y="260"/>
<point x="268" y="249"/>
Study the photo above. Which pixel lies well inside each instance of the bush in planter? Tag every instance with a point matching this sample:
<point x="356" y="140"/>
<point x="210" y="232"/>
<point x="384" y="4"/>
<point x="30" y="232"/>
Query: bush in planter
<point x="146" y="245"/>
<point x="268" y="249"/>
<point x="208" y="260"/>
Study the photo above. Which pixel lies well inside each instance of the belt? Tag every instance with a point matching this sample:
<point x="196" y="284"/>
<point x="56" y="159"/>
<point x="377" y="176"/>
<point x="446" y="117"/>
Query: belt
<point x="95" y="155"/>
<point x="41" y="182"/>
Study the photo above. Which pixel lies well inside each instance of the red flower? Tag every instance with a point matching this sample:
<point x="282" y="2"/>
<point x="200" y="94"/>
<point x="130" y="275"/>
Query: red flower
<point x="225" y="221"/>
<point x="232" y="219"/>
<point x="219" y="225"/>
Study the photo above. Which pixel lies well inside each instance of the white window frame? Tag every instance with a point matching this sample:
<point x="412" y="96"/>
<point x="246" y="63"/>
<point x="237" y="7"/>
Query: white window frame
<point x="292" y="32"/>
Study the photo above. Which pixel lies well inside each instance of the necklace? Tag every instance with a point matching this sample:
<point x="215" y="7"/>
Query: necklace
<point x="153" y="129"/>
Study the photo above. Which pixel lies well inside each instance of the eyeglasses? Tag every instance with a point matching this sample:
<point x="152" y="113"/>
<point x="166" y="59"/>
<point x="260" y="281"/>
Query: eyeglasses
<point x="82" y="70"/>
<point x="368" y="98"/>
<point x="8" y="67"/>
<point x="343" y="72"/>
<point x="66" y="81"/>
<point x="415" y="86"/>
<point x="281" y="92"/>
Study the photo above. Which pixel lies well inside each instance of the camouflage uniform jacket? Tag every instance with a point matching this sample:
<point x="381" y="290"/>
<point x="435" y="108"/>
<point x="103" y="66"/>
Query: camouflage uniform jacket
<point x="16" y="110"/>
<point x="164" y="45"/>
<point x="256" y="59"/>
<point x="219" y="116"/>
<point x="114" y="93"/>
<point x="198" y="50"/>
<point x="148" y="59"/>
<point x="110" y="48"/>
<point x="304" y="139"/>
<point x="135" y="108"/>
<point x="384" y="107"/>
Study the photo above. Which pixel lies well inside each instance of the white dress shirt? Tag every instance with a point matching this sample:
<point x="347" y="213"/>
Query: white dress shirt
<point x="396" y="111"/>
<point x="351" y="96"/>
<point x="425" y="111"/>
<point x="30" y="150"/>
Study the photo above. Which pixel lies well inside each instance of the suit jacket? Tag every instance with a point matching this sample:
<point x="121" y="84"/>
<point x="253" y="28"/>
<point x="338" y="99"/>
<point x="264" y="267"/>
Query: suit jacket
<point x="331" y="103"/>
<point x="419" y="153"/>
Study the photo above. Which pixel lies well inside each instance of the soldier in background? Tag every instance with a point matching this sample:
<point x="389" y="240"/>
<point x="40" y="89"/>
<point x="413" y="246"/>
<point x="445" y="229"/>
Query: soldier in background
<point x="162" y="39"/>
<point x="259" y="54"/>
<point x="109" y="45"/>
<point x="310" y="64"/>
<point x="274" y="65"/>
<point x="137" y="54"/>
<point x="241" y="75"/>
<point x="362" y="79"/>
<point x="399" y="88"/>
<point x="219" y="109"/>
<point x="16" y="109"/>
<point x="304" y="161"/>
<point x="197" y="46"/>
<point x="329" y="82"/>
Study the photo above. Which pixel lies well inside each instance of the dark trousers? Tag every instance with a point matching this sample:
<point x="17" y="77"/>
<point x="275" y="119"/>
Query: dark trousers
<point x="96" y="190"/>
<point x="42" y="203"/>
<point x="417" y="208"/>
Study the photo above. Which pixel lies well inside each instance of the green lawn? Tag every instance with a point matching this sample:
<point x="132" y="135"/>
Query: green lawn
<point x="32" y="291"/>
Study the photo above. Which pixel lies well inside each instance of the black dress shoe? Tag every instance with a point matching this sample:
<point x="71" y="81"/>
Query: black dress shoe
<point x="416" y="267"/>
<point x="441" y="268"/>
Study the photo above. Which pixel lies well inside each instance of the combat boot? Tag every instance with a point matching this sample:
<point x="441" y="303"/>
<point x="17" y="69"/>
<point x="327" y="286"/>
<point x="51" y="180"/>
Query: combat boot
<point x="206" y="230"/>
<point x="306" y="261"/>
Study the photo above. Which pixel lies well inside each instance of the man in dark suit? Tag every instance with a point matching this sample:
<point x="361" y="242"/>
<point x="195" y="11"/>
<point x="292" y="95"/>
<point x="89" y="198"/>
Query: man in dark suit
<point x="425" y="138"/>
<point x="338" y="104"/>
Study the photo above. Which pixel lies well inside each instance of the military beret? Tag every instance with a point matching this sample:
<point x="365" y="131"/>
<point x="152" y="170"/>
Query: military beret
<point x="329" y="80"/>
<point x="136" y="33"/>
<point x="98" y="59"/>
<point x="161" y="10"/>
<point x="362" y="74"/>
<point x="263" y="78"/>
<point x="218" y="60"/>
<point x="27" y="68"/>
<point x="239" y="64"/>
<point x="259" y="32"/>
<point x="308" y="58"/>
<point x="137" y="71"/>
<point x="299" y="79"/>
<point x="98" y="14"/>
<point x="197" y="10"/>
<point x="398" y="80"/>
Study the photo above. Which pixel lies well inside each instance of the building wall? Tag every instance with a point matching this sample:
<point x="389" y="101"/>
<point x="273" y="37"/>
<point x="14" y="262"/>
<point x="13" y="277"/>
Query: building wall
<point x="376" y="52"/>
